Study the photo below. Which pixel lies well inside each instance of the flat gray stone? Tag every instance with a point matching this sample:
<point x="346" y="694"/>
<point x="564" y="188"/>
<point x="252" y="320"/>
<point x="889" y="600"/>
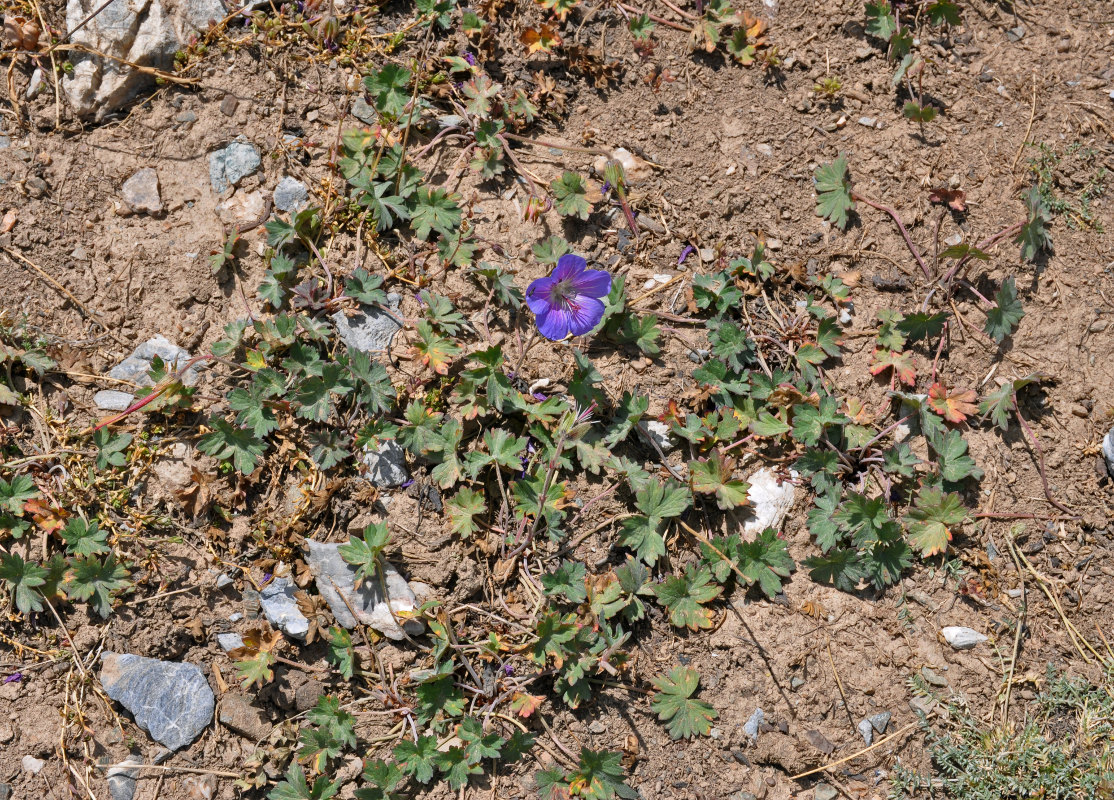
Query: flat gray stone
<point x="866" y="730"/>
<point x="750" y="727"/>
<point x="170" y="700"/>
<point x="962" y="638"/>
<point x="112" y="400"/>
<point x="135" y="367"/>
<point x="880" y="721"/>
<point x="291" y="195"/>
<point x="141" y="192"/>
<point x="336" y="582"/>
<point x="121" y="779"/>
<point x="386" y="466"/>
<point x="364" y="112"/>
<point x="281" y="609"/>
<point x="229" y="166"/>
<point x="824" y="791"/>
<point x="229" y="641"/>
<point x="370" y="329"/>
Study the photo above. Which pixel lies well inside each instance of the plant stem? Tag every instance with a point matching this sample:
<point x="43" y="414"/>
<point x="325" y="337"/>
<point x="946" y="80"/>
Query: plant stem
<point x="1040" y="464"/>
<point x="900" y="226"/>
<point x="655" y="18"/>
<point x="593" y="151"/>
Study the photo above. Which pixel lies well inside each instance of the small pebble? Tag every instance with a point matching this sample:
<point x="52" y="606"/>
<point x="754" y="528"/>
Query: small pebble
<point x="932" y="678"/>
<point x="880" y="721"/>
<point x="962" y="638"/>
<point x="33" y="765"/>
<point x="228" y="105"/>
<point x="866" y="730"/>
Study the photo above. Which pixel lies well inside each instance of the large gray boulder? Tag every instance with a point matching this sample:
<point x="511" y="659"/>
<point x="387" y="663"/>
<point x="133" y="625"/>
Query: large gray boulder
<point x="170" y="700"/>
<point x="144" y="32"/>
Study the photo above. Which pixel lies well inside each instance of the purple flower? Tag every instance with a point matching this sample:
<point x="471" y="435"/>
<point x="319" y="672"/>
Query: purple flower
<point x="471" y="59"/>
<point x="568" y="301"/>
<point x="14" y="677"/>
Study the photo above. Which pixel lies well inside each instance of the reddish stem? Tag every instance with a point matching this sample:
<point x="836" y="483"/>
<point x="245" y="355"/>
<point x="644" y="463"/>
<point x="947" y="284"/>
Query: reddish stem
<point x="901" y="227"/>
<point x="162" y="387"/>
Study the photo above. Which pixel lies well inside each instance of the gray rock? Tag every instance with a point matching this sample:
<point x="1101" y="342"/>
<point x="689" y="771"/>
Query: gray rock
<point x="281" y="609"/>
<point x="962" y="638"/>
<point x="1108" y="451"/>
<point x="866" y="730"/>
<point x="868" y="122"/>
<point x="5" y="791"/>
<point x="386" y="466"/>
<point x="141" y="192"/>
<point x="35" y="85"/>
<point x="146" y="32"/>
<point x="231" y="165"/>
<point x="824" y="791"/>
<point x="932" y="678"/>
<point x="370" y="329"/>
<point x="33" y="765"/>
<point x="750" y="727"/>
<point x="1016" y="34"/>
<point x="238" y="714"/>
<point x="121" y="779"/>
<point x="112" y="400"/>
<point x="5" y="142"/>
<point x="597" y="727"/>
<point x="336" y="581"/>
<point x="185" y="119"/>
<point x="291" y="195"/>
<point x="880" y="721"/>
<point x="135" y="367"/>
<point x="229" y="641"/>
<point x="170" y="700"/>
<point x="362" y="111"/>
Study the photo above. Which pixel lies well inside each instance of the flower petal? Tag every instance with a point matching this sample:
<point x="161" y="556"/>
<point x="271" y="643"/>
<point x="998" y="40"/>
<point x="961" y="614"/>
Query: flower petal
<point x="592" y="283"/>
<point x="585" y="313"/>
<point x="554" y="324"/>
<point x="539" y="295"/>
<point x="569" y="266"/>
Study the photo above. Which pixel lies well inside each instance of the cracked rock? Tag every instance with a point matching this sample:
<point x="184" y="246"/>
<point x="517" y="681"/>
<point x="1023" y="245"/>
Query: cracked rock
<point x="145" y="32"/>
<point x="281" y="609"/>
<point x="386" y="465"/>
<point x="170" y="700"/>
<point x="370" y="329"/>
<point x="291" y="195"/>
<point x="230" y="165"/>
<point x="336" y="581"/>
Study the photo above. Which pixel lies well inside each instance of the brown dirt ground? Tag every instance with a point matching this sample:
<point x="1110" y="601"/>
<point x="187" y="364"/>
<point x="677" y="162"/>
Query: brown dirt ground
<point x="713" y="187"/>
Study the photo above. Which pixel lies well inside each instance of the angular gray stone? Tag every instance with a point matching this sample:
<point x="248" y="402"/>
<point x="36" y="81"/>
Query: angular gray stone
<point x="146" y="32"/>
<point x="112" y="400"/>
<point x="1108" y="451"/>
<point x="281" y="609"/>
<point x="866" y="730"/>
<point x="121" y="779"/>
<point x="370" y="329"/>
<point x="336" y="582"/>
<point x="141" y="192"/>
<point x="962" y="638"/>
<point x="362" y="111"/>
<point x="229" y="641"/>
<point x="229" y="166"/>
<point x="750" y="727"/>
<point x="880" y="721"/>
<point x="170" y="700"/>
<point x="291" y="195"/>
<point x="386" y="466"/>
<point x="135" y="367"/>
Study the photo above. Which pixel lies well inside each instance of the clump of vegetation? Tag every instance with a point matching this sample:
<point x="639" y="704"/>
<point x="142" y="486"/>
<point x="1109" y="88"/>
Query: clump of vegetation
<point x="1061" y="751"/>
<point x="1070" y="197"/>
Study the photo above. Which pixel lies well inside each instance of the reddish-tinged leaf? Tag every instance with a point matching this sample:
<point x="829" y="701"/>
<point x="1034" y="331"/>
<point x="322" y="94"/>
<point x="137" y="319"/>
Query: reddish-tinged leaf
<point x="955" y="199"/>
<point x="526" y="704"/>
<point x="540" y="40"/>
<point x="902" y="364"/>
<point x="49" y="518"/>
<point x="955" y="407"/>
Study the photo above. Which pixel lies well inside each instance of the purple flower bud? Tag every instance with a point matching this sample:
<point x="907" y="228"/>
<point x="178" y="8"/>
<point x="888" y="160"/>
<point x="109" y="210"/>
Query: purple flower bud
<point x="508" y="670"/>
<point x="16" y="677"/>
<point x="408" y="484"/>
<point x="471" y="59"/>
<point x="568" y="301"/>
<point x="685" y="254"/>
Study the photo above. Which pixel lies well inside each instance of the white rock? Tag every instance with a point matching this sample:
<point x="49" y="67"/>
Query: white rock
<point x="750" y="727"/>
<point x="35" y="85"/>
<point x="146" y="32"/>
<point x="866" y="730"/>
<point x="769" y="501"/>
<point x="635" y="168"/>
<point x="242" y="208"/>
<point x="33" y="765"/>
<point x="962" y="638"/>
<point x="659" y="433"/>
